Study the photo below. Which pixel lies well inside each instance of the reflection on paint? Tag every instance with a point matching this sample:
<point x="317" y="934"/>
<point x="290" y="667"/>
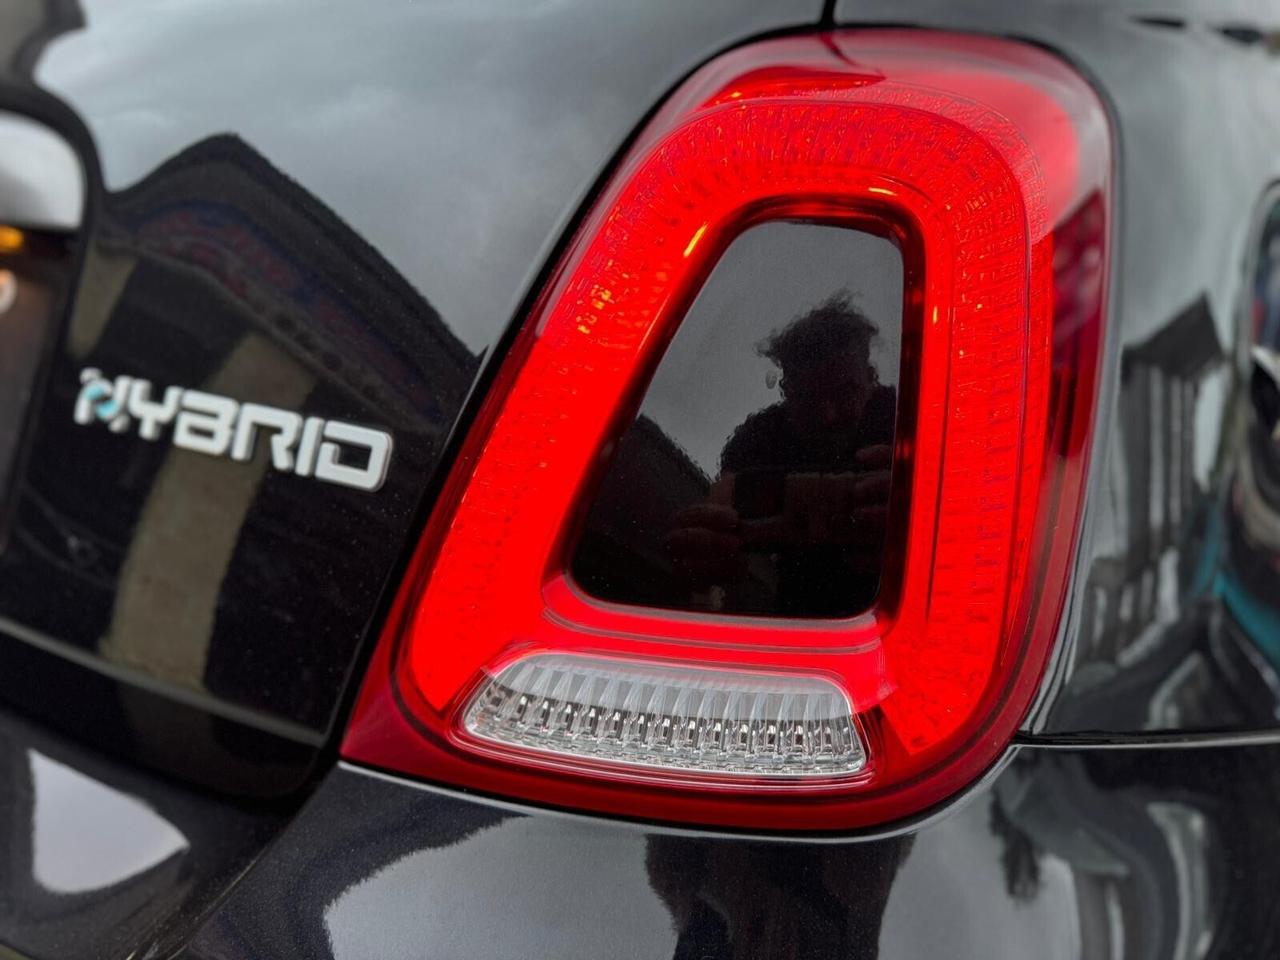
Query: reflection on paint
<point x="87" y="836"/>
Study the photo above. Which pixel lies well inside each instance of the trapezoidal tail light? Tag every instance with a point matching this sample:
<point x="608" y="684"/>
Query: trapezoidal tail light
<point x="988" y="163"/>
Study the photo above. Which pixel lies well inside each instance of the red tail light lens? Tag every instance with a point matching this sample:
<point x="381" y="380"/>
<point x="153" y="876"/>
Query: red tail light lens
<point x="988" y="162"/>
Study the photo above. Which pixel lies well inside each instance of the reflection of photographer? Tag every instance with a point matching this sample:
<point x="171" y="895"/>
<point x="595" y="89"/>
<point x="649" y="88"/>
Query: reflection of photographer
<point x="803" y="483"/>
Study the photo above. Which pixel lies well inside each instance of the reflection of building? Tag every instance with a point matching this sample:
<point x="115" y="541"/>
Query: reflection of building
<point x="1143" y="868"/>
<point x="651" y="479"/>
<point x="222" y="215"/>
<point x="219" y="272"/>
<point x="1153" y="486"/>
<point x="247" y="286"/>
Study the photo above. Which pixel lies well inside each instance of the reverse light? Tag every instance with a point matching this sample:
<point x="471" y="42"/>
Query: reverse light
<point x="677" y="718"/>
<point x="987" y="163"/>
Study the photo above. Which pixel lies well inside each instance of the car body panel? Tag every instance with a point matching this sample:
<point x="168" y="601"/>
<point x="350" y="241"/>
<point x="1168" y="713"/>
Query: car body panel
<point x="346" y="210"/>
<point x="349" y="238"/>
<point x="100" y="859"/>
<point x="1153" y="641"/>
<point x="1063" y="854"/>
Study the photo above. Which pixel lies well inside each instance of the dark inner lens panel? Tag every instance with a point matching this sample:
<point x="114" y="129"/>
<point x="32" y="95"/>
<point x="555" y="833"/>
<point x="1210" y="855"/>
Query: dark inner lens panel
<point x="755" y="478"/>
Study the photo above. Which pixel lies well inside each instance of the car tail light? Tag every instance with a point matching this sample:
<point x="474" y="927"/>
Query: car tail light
<point x="988" y="163"/>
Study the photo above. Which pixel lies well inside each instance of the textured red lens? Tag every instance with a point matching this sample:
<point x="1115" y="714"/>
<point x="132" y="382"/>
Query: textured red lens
<point x="988" y="161"/>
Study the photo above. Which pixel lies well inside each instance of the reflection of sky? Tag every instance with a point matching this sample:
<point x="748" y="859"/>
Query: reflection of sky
<point x="87" y="835"/>
<point x="949" y="877"/>
<point x="419" y="898"/>
<point x="40" y="180"/>
<point x="456" y="136"/>
<point x="723" y="383"/>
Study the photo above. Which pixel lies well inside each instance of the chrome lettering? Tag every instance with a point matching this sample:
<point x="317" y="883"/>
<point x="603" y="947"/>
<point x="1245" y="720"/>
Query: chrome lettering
<point x="205" y="422"/>
<point x="286" y="424"/>
<point x="333" y="451"/>
<point x="375" y="442"/>
<point x="152" y="416"/>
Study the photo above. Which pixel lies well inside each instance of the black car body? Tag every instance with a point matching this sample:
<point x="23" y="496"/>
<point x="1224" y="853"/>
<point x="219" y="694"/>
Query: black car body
<point x="348" y="210"/>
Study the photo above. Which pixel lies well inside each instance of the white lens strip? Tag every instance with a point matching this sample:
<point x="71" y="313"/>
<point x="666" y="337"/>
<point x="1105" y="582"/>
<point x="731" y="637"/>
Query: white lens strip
<point x="690" y="719"/>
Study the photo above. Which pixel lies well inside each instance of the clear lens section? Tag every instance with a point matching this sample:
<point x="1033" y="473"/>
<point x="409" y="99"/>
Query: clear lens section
<point x="702" y="721"/>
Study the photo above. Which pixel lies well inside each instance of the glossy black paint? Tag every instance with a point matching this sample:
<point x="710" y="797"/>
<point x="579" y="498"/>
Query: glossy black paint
<point x="755" y="477"/>
<point x="1149" y="642"/>
<point x="1102" y="854"/>
<point x="343" y="224"/>
<point x="419" y="163"/>
<point x="100" y="860"/>
<point x="35" y="280"/>
<point x="41" y="209"/>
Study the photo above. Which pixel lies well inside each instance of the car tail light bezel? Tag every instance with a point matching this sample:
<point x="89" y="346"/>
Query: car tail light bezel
<point x="989" y="461"/>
